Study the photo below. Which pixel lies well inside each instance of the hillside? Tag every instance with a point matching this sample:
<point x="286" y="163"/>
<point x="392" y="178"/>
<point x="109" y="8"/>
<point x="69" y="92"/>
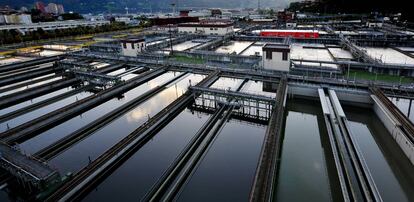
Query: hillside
<point x="361" y="6"/>
<point x="85" y="6"/>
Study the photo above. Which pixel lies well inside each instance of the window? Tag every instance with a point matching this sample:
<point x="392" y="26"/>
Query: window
<point x="269" y="55"/>
<point x="211" y="28"/>
<point x="285" y="56"/>
<point x="133" y="45"/>
<point x="216" y="28"/>
<point x="125" y="46"/>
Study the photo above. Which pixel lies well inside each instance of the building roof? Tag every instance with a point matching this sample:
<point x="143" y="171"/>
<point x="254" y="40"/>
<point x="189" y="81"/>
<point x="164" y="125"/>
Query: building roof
<point x="206" y="24"/>
<point x="133" y="40"/>
<point x="276" y="47"/>
<point x="290" y="30"/>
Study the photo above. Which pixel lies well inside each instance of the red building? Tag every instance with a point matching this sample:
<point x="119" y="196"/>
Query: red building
<point x="306" y="34"/>
<point x="184" y="13"/>
<point x="40" y="6"/>
<point x="173" y="20"/>
<point x="284" y="16"/>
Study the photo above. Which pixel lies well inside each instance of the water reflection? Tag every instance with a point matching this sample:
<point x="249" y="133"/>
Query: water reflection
<point x="304" y="173"/>
<point x="391" y="170"/>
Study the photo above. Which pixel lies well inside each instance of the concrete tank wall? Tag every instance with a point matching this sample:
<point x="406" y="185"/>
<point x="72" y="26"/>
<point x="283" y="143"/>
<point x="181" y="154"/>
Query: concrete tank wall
<point x="393" y="129"/>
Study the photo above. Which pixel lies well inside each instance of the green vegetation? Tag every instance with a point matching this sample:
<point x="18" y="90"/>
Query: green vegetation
<point x="71" y="16"/>
<point x="363" y="75"/>
<point x="186" y="59"/>
<point x="13" y="36"/>
<point x="268" y="12"/>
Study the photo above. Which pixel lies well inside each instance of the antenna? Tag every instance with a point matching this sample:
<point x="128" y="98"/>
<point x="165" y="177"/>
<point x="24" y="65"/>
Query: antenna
<point x="258" y="5"/>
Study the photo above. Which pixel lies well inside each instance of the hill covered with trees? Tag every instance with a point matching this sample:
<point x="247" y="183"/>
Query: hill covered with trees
<point x="357" y="6"/>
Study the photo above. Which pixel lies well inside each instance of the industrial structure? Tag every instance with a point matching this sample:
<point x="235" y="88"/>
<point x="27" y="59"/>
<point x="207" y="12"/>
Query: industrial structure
<point x="207" y="28"/>
<point x="27" y="27"/>
<point x="214" y="114"/>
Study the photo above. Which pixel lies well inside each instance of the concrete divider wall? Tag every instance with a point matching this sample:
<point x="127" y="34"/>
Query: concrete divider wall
<point x="351" y="97"/>
<point x="211" y="56"/>
<point x="392" y="126"/>
<point x="212" y="44"/>
<point x="174" y="41"/>
<point x="354" y="97"/>
<point x="303" y="91"/>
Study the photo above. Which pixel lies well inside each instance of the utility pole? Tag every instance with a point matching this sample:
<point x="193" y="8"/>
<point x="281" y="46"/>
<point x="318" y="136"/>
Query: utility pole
<point x="258" y="5"/>
<point x="169" y="30"/>
<point x="171" y="46"/>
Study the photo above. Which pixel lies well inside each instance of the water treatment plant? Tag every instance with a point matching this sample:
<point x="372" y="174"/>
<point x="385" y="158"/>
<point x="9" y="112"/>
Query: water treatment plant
<point x="212" y="111"/>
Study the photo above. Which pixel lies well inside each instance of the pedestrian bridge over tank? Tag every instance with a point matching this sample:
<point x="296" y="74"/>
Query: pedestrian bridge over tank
<point x="29" y="170"/>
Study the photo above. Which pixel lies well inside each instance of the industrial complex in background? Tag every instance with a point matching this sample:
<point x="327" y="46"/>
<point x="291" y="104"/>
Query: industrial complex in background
<point x="211" y="104"/>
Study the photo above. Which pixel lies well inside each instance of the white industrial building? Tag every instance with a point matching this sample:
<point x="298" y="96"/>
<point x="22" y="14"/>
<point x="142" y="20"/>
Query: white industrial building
<point x="291" y="24"/>
<point x="16" y="19"/>
<point x="53" y="25"/>
<point x="52" y="8"/>
<point x="131" y="47"/>
<point x="374" y="24"/>
<point x="207" y="28"/>
<point x="276" y="57"/>
<point x="125" y="20"/>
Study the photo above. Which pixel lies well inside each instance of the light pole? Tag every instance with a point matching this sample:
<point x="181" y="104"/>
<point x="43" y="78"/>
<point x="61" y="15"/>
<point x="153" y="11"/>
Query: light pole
<point x="169" y="30"/>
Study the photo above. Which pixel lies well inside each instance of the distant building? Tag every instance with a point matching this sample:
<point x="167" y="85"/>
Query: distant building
<point x="53" y="25"/>
<point x="123" y="19"/>
<point x="226" y="15"/>
<point x="61" y="9"/>
<point x="291" y="24"/>
<point x="374" y="24"/>
<point x="40" y="6"/>
<point x="285" y="16"/>
<point x="24" y="9"/>
<point x="132" y="47"/>
<point x="52" y="8"/>
<point x="256" y="17"/>
<point x="15" y="19"/>
<point x="2" y="20"/>
<point x="25" y="19"/>
<point x="126" y="20"/>
<point x="173" y="20"/>
<point x="303" y="34"/>
<point x="301" y="15"/>
<point x="200" y="13"/>
<point x="184" y="13"/>
<point x="12" y="19"/>
<point x="216" y="13"/>
<point x="207" y="28"/>
<point x="262" y="21"/>
<point x="276" y="57"/>
<point x="90" y="17"/>
<point x="166" y="28"/>
<point x="6" y="10"/>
